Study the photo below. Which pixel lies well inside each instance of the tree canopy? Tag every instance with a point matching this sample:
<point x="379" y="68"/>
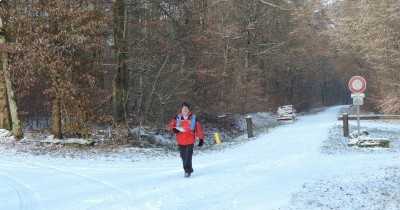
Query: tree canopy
<point x="79" y="64"/>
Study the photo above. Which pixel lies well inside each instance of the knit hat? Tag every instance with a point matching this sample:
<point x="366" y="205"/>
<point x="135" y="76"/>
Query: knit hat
<point x="185" y="104"/>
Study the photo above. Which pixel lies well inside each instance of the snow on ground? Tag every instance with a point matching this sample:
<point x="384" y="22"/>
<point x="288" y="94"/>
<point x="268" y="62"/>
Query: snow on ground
<point x="300" y="165"/>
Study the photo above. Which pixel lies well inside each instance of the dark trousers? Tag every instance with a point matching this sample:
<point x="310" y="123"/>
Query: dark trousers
<point x="186" y="152"/>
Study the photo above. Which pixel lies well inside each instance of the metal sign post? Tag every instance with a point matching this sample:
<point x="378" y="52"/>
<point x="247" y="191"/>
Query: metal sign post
<point x="358" y="100"/>
<point x="358" y="120"/>
<point x="357" y="85"/>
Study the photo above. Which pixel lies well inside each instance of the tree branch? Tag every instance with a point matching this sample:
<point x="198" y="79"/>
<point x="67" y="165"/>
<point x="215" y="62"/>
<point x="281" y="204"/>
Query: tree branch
<point x="273" y="5"/>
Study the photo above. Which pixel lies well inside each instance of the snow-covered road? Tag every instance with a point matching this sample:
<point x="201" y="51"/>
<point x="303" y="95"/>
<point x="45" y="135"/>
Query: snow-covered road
<point x="264" y="173"/>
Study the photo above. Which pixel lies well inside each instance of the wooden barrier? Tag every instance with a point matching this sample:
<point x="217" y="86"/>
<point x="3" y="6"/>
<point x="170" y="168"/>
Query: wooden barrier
<point x="346" y="119"/>
<point x="372" y="117"/>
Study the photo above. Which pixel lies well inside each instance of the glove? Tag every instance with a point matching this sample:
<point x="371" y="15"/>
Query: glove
<point x="201" y="142"/>
<point x="175" y="130"/>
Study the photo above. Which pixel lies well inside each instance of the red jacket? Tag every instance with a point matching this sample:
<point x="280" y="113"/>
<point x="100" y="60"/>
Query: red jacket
<point x="187" y="136"/>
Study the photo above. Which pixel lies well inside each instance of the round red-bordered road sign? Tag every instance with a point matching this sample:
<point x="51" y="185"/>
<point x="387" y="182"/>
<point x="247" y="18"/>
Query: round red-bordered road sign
<point x="357" y="84"/>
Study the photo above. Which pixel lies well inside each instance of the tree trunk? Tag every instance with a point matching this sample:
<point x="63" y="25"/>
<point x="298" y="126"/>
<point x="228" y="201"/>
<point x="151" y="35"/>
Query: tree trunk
<point x="243" y="74"/>
<point x="12" y="104"/>
<point x="225" y="78"/>
<point x="141" y="83"/>
<point x="120" y="83"/>
<point x="91" y="5"/>
<point x="56" y="118"/>
<point x="9" y="109"/>
<point x="203" y="12"/>
<point x="5" y="118"/>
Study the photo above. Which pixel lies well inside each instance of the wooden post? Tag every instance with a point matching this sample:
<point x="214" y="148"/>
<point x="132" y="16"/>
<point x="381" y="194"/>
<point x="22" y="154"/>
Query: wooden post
<point x="249" y="127"/>
<point x="345" y="125"/>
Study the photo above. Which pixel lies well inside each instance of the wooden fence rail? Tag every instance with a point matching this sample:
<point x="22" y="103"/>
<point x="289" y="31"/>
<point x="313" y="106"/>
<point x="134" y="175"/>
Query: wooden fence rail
<point x="372" y="117"/>
<point x="346" y="118"/>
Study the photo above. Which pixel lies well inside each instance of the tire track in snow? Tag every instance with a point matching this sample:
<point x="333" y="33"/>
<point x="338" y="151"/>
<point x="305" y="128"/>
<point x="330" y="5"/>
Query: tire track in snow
<point x="111" y="189"/>
<point x="13" y="165"/>
<point x="28" y="198"/>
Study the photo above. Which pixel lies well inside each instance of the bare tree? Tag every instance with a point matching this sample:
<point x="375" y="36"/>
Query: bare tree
<point x="120" y="84"/>
<point x="58" y="48"/>
<point x="370" y="32"/>
<point x="9" y="108"/>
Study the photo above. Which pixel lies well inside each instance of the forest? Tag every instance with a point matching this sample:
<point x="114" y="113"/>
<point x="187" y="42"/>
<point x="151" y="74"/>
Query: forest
<point x="73" y="66"/>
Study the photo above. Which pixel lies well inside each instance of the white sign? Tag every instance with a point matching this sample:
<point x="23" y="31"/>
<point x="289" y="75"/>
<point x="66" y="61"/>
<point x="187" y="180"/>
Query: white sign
<point x="358" y="98"/>
<point x="358" y="101"/>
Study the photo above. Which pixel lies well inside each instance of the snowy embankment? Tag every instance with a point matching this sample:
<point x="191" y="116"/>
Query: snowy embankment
<point x="300" y="165"/>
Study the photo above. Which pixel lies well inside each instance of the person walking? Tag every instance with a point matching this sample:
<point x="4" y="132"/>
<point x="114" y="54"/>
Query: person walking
<point x="186" y="126"/>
